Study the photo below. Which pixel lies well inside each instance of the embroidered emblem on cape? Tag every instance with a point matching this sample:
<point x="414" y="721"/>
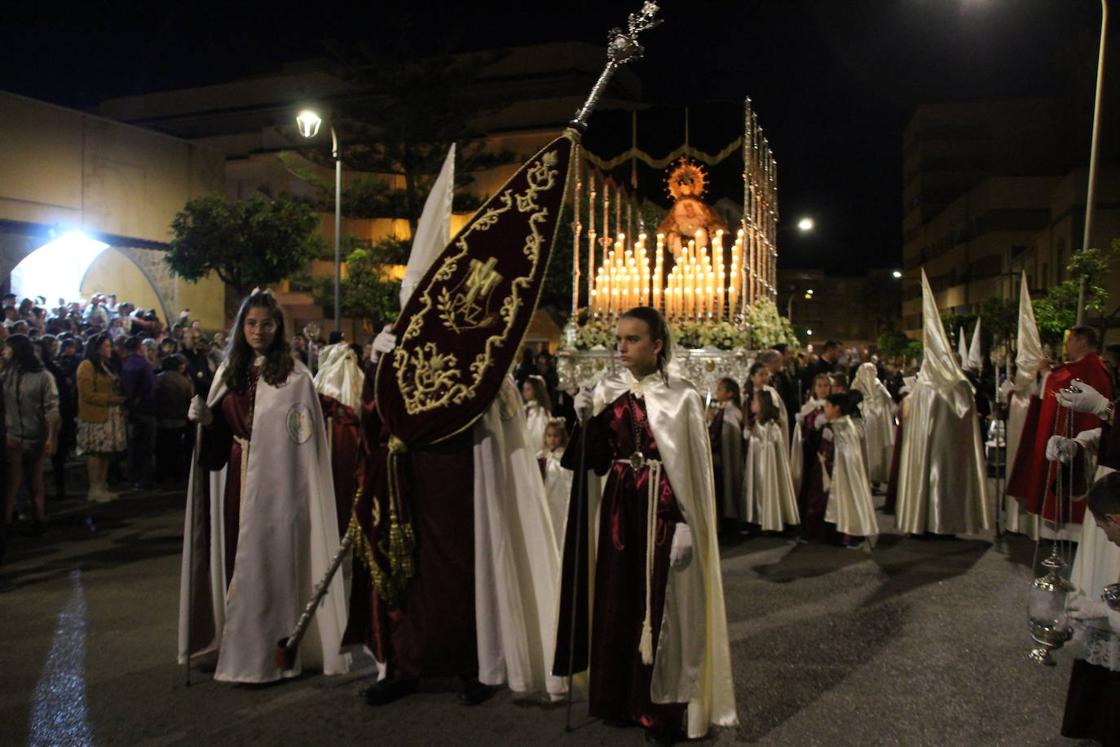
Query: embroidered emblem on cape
<point x="298" y="423"/>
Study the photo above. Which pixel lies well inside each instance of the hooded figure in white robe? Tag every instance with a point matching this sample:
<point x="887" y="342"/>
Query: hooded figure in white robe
<point x="942" y="480"/>
<point x="287" y="535"/>
<point x="878" y="411"/>
<point x="1020" y="392"/>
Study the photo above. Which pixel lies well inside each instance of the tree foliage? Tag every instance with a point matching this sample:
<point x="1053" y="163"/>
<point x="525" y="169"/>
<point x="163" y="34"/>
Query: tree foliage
<point x="368" y="294"/>
<point x="253" y="243"/>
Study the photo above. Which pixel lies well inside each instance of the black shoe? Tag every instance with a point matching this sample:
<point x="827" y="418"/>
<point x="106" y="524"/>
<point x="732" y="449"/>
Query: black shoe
<point x="37" y="529"/>
<point x="472" y="692"/>
<point x="387" y="691"/>
<point x="661" y="737"/>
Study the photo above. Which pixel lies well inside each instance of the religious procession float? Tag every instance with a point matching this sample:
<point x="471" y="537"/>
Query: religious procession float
<point x="715" y="283"/>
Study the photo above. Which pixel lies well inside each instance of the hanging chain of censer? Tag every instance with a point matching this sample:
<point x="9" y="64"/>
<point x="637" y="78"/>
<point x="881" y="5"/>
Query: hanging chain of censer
<point x="1048" y="617"/>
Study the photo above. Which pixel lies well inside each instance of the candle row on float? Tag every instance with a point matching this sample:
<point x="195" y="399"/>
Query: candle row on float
<point x="700" y="286"/>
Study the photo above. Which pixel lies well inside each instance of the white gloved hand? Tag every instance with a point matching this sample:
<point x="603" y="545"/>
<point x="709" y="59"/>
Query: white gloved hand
<point x="383" y="343"/>
<point x="1005" y="390"/>
<point x="828" y="435"/>
<point x="1083" y="608"/>
<point x="583" y="403"/>
<point x="820" y="422"/>
<point x="680" y="552"/>
<point x="198" y="412"/>
<point x="1087" y="399"/>
<point x="1059" y="449"/>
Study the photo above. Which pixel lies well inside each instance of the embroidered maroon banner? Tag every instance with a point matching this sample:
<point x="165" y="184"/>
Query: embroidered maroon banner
<point x="462" y="326"/>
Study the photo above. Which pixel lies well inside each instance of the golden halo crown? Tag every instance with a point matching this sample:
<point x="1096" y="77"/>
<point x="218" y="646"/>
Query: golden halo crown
<point x="687" y="179"/>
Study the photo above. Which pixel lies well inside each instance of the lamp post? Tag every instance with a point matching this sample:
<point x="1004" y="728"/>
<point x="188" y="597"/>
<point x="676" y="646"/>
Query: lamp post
<point x="1091" y="190"/>
<point x="309" y="123"/>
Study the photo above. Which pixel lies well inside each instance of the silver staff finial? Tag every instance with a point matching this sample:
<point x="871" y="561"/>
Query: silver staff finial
<point x="622" y="48"/>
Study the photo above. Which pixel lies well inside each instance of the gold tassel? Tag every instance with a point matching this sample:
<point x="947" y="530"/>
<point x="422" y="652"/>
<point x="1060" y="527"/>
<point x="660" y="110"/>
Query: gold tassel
<point x="645" y="646"/>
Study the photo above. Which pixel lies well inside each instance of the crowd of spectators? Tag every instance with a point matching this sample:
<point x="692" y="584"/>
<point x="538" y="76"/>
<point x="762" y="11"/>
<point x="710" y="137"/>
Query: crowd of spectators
<point x="102" y="380"/>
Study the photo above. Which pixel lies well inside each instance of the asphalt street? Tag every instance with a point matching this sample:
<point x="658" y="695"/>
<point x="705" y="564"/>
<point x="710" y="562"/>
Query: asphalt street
<point x="919" y="642"/>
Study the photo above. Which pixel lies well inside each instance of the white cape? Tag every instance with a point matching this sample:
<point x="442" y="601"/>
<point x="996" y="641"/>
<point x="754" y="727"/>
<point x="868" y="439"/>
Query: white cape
<point x="692" y="661"/>
<point x="536" y="422"/>
<point x="942" y="475"/>
<point x="516" y="558"/>
<point x="850" y="506"/>
<point x="558" y="490"/>
<point x="768" y="485"/>
<point x="288" y="533"/>
<point x="1024" y="388"/>
<point x="877" y="409"/>
<point x="731" y="503"/>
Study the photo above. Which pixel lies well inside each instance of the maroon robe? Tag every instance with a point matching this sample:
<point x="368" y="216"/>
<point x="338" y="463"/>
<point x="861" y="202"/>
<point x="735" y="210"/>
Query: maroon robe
<point x="812" y="499"/>
<point x="343" y="432"/>
<point x="428" y="630"/>
<point x="233" y="420"/>
<point x="1032" y="478"/>
<point x="619" y="681"/>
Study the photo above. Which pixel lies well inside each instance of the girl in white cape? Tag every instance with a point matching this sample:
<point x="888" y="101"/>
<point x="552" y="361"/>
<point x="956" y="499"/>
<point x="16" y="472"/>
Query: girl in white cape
<point x="557" y="478"/>
<point x="770" y="499"/>
<point x="849" y="492"/>
<point x="538" y="409"/>
<point x="641" y="555"/>
<point x="261" y="524"/>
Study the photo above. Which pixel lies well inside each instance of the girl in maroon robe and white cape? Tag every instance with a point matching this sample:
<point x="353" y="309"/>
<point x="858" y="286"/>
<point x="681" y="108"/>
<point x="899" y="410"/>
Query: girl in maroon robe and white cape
<point x="658" y="648"/>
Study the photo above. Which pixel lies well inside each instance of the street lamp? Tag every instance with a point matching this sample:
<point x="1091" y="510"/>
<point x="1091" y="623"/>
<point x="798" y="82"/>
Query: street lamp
<point x="309" y="123"/>
<point x="1091" y="190"/>
<point x="806" y="224"/>
<point x="896" y="274"/>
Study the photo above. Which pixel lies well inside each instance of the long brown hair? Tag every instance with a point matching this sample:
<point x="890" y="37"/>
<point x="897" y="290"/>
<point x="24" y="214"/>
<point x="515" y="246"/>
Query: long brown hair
<point x="540" y="391"/>
<point x="278" y="363"/>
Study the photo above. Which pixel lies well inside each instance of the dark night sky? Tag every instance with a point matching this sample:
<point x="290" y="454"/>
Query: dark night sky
<point x="833" y="81"/>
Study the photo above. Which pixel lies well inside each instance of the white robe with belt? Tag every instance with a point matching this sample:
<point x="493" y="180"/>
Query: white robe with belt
<point x="287" y="535"/>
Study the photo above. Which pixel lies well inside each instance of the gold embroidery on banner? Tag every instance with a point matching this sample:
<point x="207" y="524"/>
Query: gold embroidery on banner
<point x="467" y="306"/>
<point x="428" y="379"/>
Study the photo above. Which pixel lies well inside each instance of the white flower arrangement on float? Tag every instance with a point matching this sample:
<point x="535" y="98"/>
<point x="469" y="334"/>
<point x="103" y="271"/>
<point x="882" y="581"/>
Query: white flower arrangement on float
<point x="599" y="334"/>
<point x="768" y="327"/>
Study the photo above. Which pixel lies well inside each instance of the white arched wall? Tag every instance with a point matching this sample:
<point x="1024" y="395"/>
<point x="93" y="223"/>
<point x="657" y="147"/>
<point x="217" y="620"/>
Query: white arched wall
<point x="112" y="271"/>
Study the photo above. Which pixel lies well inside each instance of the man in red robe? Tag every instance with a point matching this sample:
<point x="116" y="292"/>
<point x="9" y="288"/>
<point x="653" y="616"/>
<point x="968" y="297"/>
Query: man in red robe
<point x="1031" y="481"/>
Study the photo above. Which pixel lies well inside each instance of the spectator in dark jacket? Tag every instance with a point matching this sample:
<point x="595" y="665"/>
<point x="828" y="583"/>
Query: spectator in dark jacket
<point x="173" y="393"/>
<point x="138" y="381"/>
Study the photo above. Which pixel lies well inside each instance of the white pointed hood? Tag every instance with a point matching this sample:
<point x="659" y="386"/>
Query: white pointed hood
<point x="433" y="230"/>
<point x="1029" y="354"/>
<point x="974" y="361"/>
<point x="340" y="376"/>
<point x="939" y="365"/>
<point x="962" y="347"/>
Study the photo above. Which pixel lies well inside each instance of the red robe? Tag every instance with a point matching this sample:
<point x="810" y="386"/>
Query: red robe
<point x="343" y="434"/>
<point x="619" y="682"/>
<point x="812" y="500"/>
<point x="429" y="629"/>
<point x="1032" y="478"/>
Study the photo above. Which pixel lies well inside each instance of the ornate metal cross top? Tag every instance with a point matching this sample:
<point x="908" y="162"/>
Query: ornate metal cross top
<point x="622" y="48"/>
